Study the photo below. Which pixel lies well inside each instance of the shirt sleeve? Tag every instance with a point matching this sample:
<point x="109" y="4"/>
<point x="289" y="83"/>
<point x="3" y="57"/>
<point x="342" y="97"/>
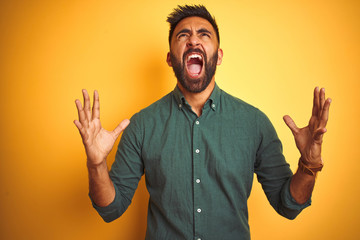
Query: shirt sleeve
<point x="273" y="172"/>
<point x="125" y="172"/>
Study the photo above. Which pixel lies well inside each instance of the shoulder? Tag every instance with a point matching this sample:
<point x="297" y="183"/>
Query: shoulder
<point x="154" y="110"/>
<point x="243" y="112"/>
<point x="148" y="116"/>
<point x="237" y="105"/>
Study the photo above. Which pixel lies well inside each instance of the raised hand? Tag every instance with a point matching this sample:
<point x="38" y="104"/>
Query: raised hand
<point x="309" y="139"/>
<point x="98" y="142"/>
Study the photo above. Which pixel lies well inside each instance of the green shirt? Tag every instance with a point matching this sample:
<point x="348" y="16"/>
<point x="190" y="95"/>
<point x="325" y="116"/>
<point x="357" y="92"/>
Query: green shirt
<point x="199" y="170"/>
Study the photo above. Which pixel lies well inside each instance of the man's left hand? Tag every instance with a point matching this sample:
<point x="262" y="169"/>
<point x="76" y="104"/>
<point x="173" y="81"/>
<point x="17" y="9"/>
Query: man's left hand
<point x="309" y="139"/>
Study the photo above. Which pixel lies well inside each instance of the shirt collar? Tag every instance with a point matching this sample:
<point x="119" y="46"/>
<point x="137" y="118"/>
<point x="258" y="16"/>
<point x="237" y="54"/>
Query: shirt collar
<point x="179" y="97"/>
<point x="213" y="100"/>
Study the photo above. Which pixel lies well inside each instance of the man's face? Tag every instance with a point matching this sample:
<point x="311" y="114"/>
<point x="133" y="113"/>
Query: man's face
<point x="194" y="53"/>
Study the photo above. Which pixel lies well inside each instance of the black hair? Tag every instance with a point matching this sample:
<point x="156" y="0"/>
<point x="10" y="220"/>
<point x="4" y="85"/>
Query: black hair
<point x="185" y="11"/>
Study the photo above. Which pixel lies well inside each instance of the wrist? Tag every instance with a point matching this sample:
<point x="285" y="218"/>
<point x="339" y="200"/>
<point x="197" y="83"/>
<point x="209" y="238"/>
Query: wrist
<point x="310" y="169"/>
<point x="95" y="165"/>
<point x="311" y="162"/>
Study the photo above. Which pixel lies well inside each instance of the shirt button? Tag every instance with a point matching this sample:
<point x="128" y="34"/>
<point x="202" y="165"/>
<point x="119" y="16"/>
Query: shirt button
<point x="180" y="105"/>
<point x="199" y="210"/>
<point x="213" y="105"/>
<point x="197" y="150"/>
<point x="198" y="239"/>
<point x="198" y="181"/>
<point x="197" y="122"/>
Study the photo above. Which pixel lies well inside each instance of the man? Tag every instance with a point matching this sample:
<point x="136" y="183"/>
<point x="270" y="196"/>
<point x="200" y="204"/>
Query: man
<point x="199" y="148"/>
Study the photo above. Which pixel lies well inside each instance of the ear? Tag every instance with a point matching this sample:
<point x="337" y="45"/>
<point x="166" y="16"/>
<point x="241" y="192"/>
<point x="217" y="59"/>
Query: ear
<point x="220" y="56"/>
<point x="168" y="60"/>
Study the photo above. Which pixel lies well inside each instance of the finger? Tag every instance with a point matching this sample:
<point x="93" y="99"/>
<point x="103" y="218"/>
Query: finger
<point x="291" y="124"/>
<point x="81" y="113"/>
<point x="84" y="135"/>
<point x="79" y="127"/>
<point x="316" y="102"/>
<point x="322" y="99"/>
<point x="318" y="134"/>
<point x="121" y="127"/>
<point x="96" y="106"/>
<point x="325" y="113"/>
<point x="87" y="105"/>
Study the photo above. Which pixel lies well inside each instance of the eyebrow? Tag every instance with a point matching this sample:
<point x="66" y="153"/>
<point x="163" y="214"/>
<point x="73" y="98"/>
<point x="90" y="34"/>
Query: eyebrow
<point x="203" y="30"/>
<point x="186" y="30"/>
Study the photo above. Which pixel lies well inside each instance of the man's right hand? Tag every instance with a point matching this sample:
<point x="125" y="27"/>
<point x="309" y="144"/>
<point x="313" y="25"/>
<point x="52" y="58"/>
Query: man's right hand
<point x="98" y="142"/>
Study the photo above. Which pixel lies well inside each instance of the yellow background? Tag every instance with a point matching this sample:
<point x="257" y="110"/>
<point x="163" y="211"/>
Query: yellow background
<point x="275" y="53"/>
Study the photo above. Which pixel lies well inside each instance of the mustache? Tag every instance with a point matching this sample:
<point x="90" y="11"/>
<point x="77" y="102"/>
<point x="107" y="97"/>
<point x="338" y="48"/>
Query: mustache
<point x="194" y="50"/>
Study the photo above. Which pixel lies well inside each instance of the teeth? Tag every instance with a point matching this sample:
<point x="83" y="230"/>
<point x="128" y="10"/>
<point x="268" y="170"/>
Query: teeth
<point x="194" y="56"/>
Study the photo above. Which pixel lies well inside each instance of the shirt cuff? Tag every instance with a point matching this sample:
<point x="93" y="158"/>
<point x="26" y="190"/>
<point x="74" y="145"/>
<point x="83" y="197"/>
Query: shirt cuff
<point x="289" y="202"/>
<point x="111" y="211"/>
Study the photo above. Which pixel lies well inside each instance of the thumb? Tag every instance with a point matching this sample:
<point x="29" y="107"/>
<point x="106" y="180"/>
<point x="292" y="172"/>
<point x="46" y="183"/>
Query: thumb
<point x="121" y="127"/>
<point x="291" y="124"/>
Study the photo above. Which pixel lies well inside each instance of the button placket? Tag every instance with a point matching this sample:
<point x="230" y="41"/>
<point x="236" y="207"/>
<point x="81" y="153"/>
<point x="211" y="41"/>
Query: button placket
<point x="197" y="162"/>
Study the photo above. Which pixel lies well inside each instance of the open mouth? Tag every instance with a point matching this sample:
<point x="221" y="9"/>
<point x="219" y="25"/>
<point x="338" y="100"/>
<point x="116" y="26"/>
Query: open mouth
<point x="194" y="64"/>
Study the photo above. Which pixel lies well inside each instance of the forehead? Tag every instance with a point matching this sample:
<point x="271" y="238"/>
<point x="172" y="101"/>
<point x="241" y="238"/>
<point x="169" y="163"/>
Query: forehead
<point x="194" y="23"/>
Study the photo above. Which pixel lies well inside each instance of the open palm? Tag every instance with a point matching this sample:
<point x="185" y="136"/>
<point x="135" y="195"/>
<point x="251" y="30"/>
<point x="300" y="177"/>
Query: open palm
<point x="98" y="142"/>
<point x="309" y="139"/>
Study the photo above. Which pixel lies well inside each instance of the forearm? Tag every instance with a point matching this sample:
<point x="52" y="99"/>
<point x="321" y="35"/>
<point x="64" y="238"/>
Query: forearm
<point x="301" y="186"/>
<point x="101" y="188"/>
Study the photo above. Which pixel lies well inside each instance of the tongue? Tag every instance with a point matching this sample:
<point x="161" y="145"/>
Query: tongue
<point x="194" y="68"/>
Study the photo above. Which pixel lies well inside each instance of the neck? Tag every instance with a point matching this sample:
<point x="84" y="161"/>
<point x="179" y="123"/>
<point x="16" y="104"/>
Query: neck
<point x="198" y="100"/>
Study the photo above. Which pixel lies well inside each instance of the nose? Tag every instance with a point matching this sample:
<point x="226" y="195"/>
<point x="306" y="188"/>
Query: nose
<point x="193" y="40"/>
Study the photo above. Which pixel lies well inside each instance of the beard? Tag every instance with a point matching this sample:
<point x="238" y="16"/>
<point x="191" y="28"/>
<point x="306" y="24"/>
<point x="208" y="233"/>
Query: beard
<point x="201" y="83"/>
